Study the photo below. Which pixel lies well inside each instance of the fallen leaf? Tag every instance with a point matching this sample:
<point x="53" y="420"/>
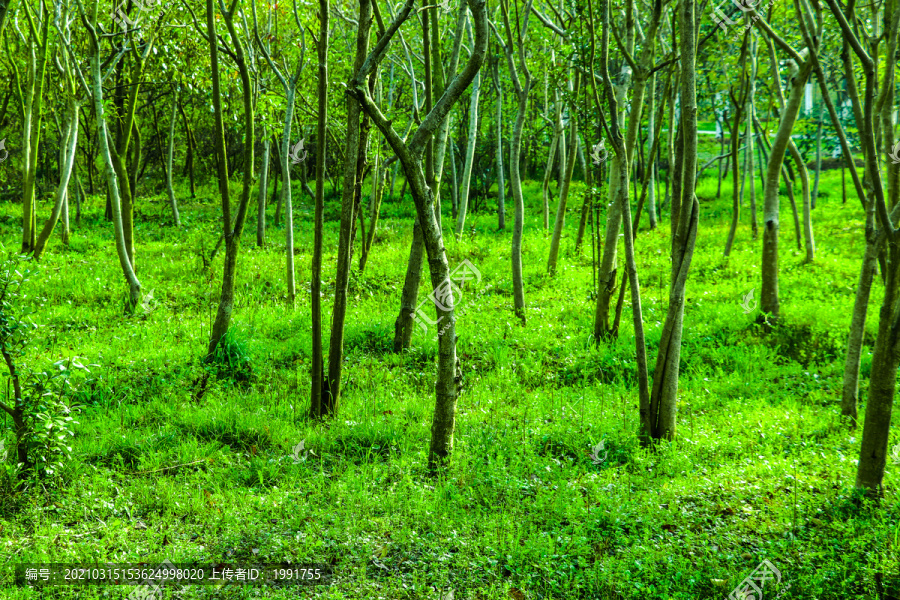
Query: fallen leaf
<point x="516" y="594"/>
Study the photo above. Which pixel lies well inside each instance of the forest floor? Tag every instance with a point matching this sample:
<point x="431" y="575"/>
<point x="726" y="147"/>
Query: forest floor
<point x="762" y="467"/>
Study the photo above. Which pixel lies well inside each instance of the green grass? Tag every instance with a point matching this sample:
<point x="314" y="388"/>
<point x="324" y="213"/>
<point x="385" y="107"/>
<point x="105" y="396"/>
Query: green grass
<point x="761" y="468"/>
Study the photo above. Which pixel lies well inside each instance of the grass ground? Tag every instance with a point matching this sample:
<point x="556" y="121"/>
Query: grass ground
<point x="761" y="469"/>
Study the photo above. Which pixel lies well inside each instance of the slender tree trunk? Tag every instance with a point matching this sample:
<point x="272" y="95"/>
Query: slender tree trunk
<point x="173" y="203"/>
<point x="318" y="390"/>
<point x="663" y="398"/>
<point x="403" y="325"/>
<point x="33" y="109"/>
<point x="111" y="179"/>
<point x="808" y="240"/>
<point x="68" y="155"/>
<point x="470" y="157"/>
<point x="232" y="233"/>
<point x="651" y="108"/>
<point x="189" y="159"/>
<point x="735" y="174"/>
<point x="815" y="190"/>
<point x="286" y="197"/>
<point x="769" y="300"/>
<point x="354" y="155"/>
<point x="501" y="184"/>
<point x="261" y="198"/>
<point x="375" y="208"/>
<point x="545" y="186"/>
<point x="560" y="221"/>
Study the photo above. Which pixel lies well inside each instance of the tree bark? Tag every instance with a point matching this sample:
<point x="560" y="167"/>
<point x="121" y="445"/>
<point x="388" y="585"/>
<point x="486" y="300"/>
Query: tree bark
<point x="70" y="143"/>
<point x="318" y="389"/>
<point x="663" y="398"/>
<point x="560" y="220"/>
<point x="261" y="198"/>
<point x="354" y="153"/>
<point x="769" y="300"/>
<point x="411" y="154"/>
<point x="173" y="203"/>
<point x="501" y="184"/>
<point x="232" y="234"/>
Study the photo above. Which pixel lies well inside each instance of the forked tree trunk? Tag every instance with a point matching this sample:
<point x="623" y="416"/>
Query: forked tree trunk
<point x="111" y="180"/>
<point x="411" y="154"/>
<point x="354" y="154"/>
<point x="664" y="395"/>
<point x="808" y="241"/>
<point x="232" y="233"/>
<point x="68" y="156"/>
<point x="769" y="301"/>
<point x="403" y="325"/>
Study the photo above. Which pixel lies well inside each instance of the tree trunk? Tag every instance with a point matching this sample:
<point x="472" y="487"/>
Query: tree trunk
<point x="173" y="203"/>
<point x="815" y="190"/>
<point x="37" y="68"/>
<point x="769" y="301"/>
<point x="560" y="221"/>
<point x="651" y="108"/>
<point x="111" y="179"/>
<point x="286" y="197"/>
<point x="354" y="154"/>
<point x="318" y="391"/>
<point x="501" y="184"/>
<point x="663" y="398"/>
<point x="470" y="157"/>
<point x="261" y="198"/>
<point x="545" y="186"/>
<point x="232" y="234"/>
<point x="808" y="240"/>
<point x="71" y="142"/>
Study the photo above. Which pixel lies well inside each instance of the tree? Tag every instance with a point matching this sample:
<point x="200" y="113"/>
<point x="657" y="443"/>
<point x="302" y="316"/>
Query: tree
<point x="232" y="230"/>
<point x="411" y="155"/>
<point x="522" y="86"/>
<point x="769" y="300"/>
